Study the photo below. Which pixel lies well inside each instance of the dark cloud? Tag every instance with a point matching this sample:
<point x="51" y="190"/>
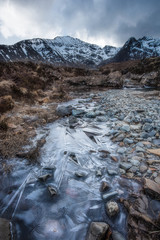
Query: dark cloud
<point x="110" y="20"/>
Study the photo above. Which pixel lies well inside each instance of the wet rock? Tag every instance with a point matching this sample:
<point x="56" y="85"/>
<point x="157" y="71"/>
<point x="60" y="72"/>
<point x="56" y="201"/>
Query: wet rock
<point x="152" y="188"/>
<point x="5" y="233"/>
<point x="91" y="114"/>
<point x="117" y="236"/>
<point x="104" y="186"/>
<point x="63" y="111"/>
<point x="52" y="190"/>
<point x="98" y="173"/>
<point x="97" y="231"/>
<point x="44" y="177"/>
<point x="112" y="208"/>
<point x="80" y="174"/>
<point x="77" y="112"/>
<point x="125" y="166"/>
<point x="110" y="195"/>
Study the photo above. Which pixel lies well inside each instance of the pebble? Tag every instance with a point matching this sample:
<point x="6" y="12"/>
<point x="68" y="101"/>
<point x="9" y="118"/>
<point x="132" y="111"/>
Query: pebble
<point x="112" y="208"/>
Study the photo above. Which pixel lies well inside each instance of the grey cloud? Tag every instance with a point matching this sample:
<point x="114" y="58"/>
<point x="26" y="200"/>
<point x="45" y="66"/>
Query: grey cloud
<point x="116" y="19"/>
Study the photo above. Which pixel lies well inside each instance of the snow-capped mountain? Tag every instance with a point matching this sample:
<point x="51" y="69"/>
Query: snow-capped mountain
<point x="145" y="47"/>
<point x="59" y="51"/>
<point x="74" y="52"/>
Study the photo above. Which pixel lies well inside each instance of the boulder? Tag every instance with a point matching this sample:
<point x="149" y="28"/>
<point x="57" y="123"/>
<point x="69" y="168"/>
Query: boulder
<point x="63" y="111"/>
<point x="6" y="104"/>
<point x="97" y="231"/>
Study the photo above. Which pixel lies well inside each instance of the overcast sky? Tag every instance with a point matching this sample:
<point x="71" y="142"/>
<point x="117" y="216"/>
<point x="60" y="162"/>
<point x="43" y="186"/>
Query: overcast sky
<point x="103" y="22"/>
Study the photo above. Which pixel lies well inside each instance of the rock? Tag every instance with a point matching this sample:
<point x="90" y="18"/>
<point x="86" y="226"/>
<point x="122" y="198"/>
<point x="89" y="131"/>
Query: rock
<point x="5" y="233"/>
<point x="135" y="162"/>
<point x="91" y="114"/>
<point x="117" y="236"/>
<point x="6" y="104"/>
<point x="136" y="127"/>
<point x="157" y="179"/>
<point x="143" y="168"/>
<point x="112" y="208"/>
<point x="139" y="149"/>
<point x="108" y="196"/>
<point x="128" y="141"/>
<point x="154" y="151"/>
<point x="80" y="174"/>
<point x="104" y="186"/>
<point x="125" y="166"/>
<point x="97" y="231"/>
<point x="121" y="150"/>
<point x="98" y="173"/>
<point x="147" y="127"/>
<point x="152" y="188"/>
<point x="63" y="111"/>
<point x="125" y="128"/>
<point x="52" y="190"/>
<point x="77" y="113"/>
<point x="44" y="177"/>
<point x="122" y="171"/>
<point x="112" y="172"/>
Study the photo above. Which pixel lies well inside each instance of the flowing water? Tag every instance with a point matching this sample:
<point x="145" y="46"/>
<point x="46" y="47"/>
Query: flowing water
<point x="76" y="161"/>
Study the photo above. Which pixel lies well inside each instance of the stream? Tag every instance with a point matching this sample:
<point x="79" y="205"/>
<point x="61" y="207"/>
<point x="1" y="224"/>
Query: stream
<point x="74" y="161"/>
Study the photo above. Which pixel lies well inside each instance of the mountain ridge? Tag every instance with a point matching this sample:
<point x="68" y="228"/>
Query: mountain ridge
<point x="69" y="51"/>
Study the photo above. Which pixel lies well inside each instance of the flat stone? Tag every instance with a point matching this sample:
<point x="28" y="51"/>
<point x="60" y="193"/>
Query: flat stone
<point x="112" y="172"/>
<point x="154" y="151"/>
<point x="152" y="188"/>
<point x="135" y="127"/>
<point x="128" y="141"/>
<point x="97" y="231"/>
<point x="121" y="150"/>
<point x="5" y="233"/>
<point x="125" y="128"/>
<point x="112" y="208"/>
<point x="139" y="149"/>
<point x="125" y="166"/>
<point x="110" y="195"/>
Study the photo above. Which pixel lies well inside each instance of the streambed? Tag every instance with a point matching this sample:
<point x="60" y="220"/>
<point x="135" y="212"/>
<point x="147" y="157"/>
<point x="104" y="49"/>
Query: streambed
<point x="76" y="158"/>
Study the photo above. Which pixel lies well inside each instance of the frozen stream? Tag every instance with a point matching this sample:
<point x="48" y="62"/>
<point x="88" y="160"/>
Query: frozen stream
<point x="75" y="162"/>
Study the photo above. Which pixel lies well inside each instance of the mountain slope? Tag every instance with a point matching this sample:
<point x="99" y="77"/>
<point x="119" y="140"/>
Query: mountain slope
<point x="137" y="49"/>
<point x="59" y="51"/>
